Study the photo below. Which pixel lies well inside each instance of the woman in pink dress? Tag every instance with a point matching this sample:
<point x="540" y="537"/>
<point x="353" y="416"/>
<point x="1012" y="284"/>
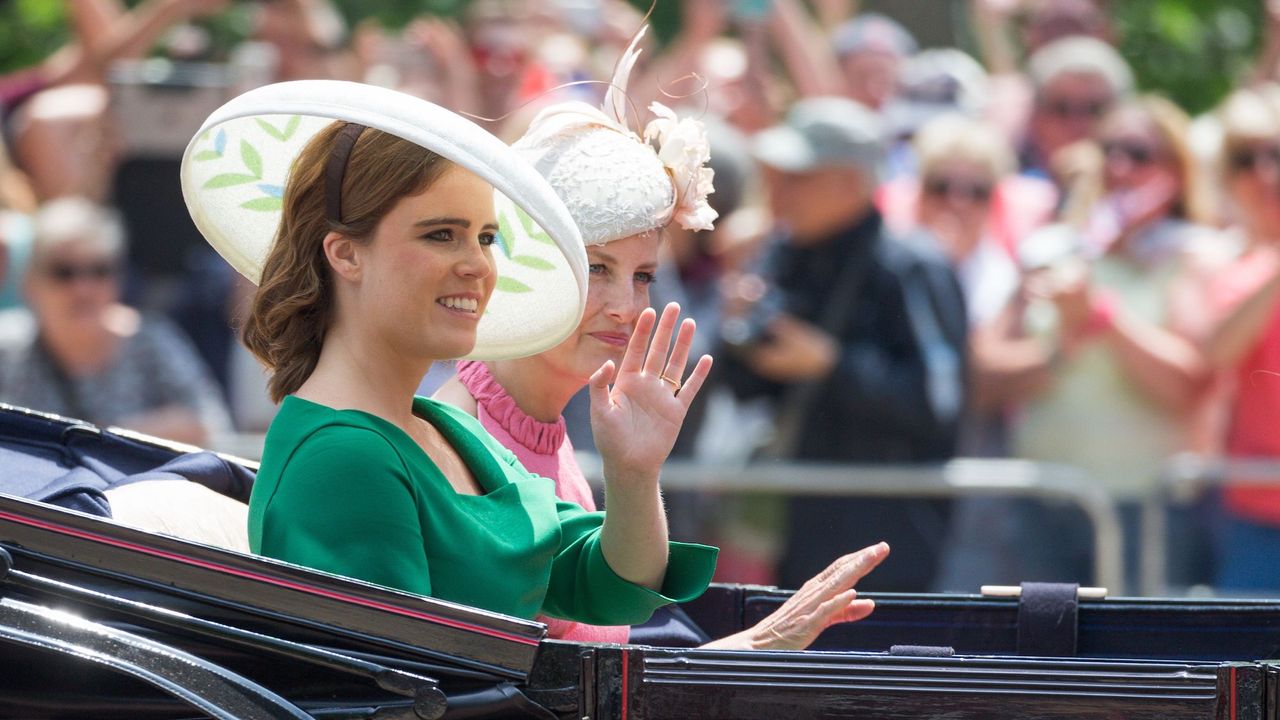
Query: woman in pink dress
<point x="622" y="193"/>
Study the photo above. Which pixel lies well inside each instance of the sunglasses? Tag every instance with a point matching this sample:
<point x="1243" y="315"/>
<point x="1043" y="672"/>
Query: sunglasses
<point x="1251" y="159"/>
<point x="1134" y="152"/>
<point x="67" y="273"/>
<point x="1066" y="109"/>
<point x="943" y="187"/>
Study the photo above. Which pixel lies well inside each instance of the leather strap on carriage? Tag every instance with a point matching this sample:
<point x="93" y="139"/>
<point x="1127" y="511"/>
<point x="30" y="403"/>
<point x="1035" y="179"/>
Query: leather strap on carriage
<point x="1048" y="616"/>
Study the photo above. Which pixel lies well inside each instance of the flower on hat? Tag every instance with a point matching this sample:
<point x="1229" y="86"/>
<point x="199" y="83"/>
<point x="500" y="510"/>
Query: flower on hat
<point x="684" y="151"/>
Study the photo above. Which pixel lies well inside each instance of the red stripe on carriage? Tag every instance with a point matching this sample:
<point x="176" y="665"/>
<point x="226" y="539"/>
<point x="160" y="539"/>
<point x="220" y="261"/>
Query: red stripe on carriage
<point x="299" y="587"/>
<point x="1233" y="693"/>
<point x="625" y="654"/>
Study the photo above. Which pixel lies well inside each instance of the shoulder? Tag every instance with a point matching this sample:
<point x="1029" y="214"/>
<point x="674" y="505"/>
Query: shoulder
<point x="454" y="393"/>
<point x="313" y="439"/>
<point x="915" y="254"/>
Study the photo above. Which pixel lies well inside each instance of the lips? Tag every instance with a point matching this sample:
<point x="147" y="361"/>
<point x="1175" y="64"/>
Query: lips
<point x="615" y="339"/>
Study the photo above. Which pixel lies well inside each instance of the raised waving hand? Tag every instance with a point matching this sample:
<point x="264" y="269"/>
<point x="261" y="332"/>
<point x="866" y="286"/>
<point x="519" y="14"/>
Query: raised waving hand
<point x="637" y="408"/>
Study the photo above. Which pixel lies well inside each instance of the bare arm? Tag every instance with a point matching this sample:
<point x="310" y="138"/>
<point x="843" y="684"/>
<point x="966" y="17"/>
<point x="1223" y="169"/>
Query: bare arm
<point x="804" y="50"/>
<point x="1007" y="368"/>
<point x="1166" y="366"/>
<point x="990" y="20"/>
<point x="1239" y="330"/>
<point x="1267" y="67"/>
<point x="635" y="417"/>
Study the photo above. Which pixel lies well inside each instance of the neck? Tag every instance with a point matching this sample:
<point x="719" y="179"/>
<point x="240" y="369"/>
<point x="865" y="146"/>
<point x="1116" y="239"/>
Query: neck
<point x="357" y="372"/>
<point x="540" y="392"/>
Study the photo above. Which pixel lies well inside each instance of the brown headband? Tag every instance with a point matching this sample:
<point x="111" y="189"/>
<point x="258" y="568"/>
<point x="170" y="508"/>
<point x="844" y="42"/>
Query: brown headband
<point x="334" y="172"/>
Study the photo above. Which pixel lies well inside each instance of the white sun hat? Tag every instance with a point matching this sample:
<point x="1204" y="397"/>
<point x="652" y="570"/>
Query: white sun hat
<point x="615" y="183"/>
<point x="235" y="169"/>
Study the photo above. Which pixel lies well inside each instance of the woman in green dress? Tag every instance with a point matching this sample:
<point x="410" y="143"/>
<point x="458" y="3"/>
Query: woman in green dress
<point x="383" y="262"/>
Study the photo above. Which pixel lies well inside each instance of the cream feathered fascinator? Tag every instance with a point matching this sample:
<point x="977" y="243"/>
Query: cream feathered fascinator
<point x="235" y="169"/>
<point x="615" y="181"/>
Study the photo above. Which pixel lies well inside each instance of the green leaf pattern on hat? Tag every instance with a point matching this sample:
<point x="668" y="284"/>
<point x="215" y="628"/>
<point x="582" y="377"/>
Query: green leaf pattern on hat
<point x="516" y="228"/>
<point x="273" y="195"/>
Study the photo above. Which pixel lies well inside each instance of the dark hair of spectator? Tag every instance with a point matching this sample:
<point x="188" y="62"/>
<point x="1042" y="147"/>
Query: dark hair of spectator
<point x="293" y="307"/>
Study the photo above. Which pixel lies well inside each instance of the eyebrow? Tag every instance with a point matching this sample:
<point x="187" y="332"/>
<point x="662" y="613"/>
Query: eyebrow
<point x="456" y="221"/>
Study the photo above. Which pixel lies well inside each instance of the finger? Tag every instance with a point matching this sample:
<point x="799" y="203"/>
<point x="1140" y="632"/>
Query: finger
<point x="849" y="569"/>
<point x="633" y="358"/>
<point x="690" y="389"/>
<point x="657" y="357"/>
<point x="599" y="385"/>
<point x="855" y="611"/>
<point x="680" y="354"/>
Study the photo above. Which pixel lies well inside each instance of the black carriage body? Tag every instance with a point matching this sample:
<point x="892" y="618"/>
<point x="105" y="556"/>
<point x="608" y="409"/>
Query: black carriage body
<point x="101" y="620"/>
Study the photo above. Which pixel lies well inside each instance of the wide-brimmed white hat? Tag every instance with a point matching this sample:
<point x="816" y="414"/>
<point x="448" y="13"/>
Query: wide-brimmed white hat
<point x="235" y="168"/>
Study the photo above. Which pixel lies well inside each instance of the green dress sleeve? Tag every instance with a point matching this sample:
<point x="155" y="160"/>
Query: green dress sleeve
<point x="345" y="504"/>
<point x="584" y="588"/>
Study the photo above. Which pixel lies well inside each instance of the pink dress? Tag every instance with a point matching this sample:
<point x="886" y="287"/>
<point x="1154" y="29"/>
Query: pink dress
<point x="544" y="449"/>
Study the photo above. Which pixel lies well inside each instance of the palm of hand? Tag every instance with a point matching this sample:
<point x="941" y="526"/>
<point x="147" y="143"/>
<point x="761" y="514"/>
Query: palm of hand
<point x="635" y="420"/>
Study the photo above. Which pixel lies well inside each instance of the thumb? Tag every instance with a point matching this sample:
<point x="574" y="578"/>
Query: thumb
<point x="599" y="385"/>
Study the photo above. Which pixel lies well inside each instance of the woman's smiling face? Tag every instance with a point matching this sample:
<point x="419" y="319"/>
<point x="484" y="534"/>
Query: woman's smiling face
<point x="620" y="275"/>
<point x="428" y="273"/>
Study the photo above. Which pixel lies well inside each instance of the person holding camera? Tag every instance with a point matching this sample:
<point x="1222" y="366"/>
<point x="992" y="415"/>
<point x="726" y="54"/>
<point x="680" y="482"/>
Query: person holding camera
<point x="857" y="336"/>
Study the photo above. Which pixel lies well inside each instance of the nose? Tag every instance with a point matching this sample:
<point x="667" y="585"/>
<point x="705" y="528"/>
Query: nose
<point x="475" y="261"/>
<point x="623" y="303"/>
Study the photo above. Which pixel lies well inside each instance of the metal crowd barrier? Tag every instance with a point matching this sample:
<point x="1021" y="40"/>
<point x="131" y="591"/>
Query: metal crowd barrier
<point x="957" y="478"/>
<point x="1182" y="479"/>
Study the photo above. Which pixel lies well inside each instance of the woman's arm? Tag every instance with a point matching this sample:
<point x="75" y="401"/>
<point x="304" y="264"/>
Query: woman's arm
<point x="636" y="412"/>
<point x="804" y="50"/>
<point x="1237" y="332"/>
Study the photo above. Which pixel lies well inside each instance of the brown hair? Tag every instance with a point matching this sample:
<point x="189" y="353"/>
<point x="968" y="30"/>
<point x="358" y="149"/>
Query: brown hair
<point x="293" y="306"/>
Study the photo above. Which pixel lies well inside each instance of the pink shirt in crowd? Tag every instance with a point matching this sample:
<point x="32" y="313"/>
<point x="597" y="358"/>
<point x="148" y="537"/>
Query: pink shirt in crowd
<point x="1255" y="412"/>
<point x="544" y="449"/>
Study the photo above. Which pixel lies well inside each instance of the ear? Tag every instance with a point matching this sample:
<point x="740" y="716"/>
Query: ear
<point x="343" y="255"/>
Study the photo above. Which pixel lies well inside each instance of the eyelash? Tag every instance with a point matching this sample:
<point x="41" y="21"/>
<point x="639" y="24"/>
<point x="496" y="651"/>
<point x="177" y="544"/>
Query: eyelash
<point x="446" y="235"/>
<point x="644" y="278"/>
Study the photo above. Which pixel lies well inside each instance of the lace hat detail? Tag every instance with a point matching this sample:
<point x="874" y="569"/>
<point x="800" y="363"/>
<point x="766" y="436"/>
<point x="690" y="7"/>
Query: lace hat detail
<point x="615" y="182"/>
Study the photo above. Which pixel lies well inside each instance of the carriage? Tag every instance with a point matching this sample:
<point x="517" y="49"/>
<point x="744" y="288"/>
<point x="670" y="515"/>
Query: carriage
<point x="100" y="619"/>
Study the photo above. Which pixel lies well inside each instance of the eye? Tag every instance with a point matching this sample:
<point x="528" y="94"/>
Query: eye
<point x="645" y="278"/>
<point x="488" y="238"/>
<point x="596" y="268"/>
<point x="441" y="235"/>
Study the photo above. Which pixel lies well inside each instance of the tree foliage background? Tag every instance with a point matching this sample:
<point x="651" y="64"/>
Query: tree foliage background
<point x="1194" y="51"/>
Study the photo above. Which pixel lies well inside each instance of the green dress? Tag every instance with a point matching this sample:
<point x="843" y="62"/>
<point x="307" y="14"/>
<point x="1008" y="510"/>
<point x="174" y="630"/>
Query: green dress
<point x="347" y="492"/>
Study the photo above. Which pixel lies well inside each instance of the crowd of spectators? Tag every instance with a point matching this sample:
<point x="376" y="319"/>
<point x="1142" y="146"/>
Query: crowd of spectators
<point x="921" y="254"/>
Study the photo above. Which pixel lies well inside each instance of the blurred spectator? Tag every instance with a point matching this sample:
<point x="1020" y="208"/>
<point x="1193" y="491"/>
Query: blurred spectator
<point x="1243" y="339"/>
<point x="78" y="352"/>
<point x="871" y="49"/>
<point x="1043" y="22"/>
<point x="1076" y="81"/>
<point x="860" y="339"/>
<point x="1126" y="381"/>
<point x="976" y="209"/>
<point x="932" y="83"/>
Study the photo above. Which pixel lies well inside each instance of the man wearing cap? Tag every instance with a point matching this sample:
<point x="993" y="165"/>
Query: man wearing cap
<point x="859" y="339"/>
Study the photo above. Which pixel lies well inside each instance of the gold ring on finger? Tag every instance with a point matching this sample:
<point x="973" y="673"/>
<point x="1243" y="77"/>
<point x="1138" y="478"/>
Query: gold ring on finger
<point x="675" y="384"/>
